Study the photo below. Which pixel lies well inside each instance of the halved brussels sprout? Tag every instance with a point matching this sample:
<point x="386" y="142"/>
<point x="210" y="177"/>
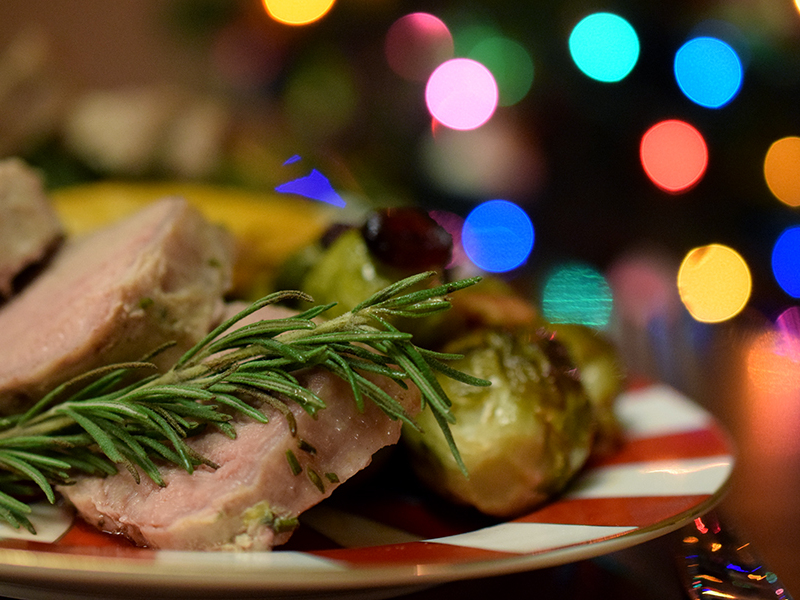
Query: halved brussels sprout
<point x="393" y="243"/>
<point x="602" y="374"/>
<point x="522" y="439"/>
<point x="345" y="273"/>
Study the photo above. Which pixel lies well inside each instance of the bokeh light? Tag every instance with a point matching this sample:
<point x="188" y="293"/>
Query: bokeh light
<point x="674" y="155"/>
<point x="416" y="44"/>
<point x="511" y="65"/>
<point x="772" y="370"/>
<point x="714" y="283"/>
<point x="728" y="32"/>
<point x="461" y="94"/>
<point x="788" y="324"/>
<point x="471" y="32"/>
<point x="297" y="12"/>
<point x="782" y="170"/>
<point x="643" y="285"/>
<point x="577" y="293"/>
<point x="786" y="261"/>
<point x="604" y="46"/>
<point x="708" y="71"/>
<point x="773" y="363"/>
<point x="497" y="236"/>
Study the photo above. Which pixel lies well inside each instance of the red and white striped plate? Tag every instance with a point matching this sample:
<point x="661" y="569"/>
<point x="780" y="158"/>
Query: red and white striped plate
<point x="673" y="466"/>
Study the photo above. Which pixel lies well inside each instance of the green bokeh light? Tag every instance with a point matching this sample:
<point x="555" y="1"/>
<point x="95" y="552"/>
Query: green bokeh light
<point x="509" y="62"/>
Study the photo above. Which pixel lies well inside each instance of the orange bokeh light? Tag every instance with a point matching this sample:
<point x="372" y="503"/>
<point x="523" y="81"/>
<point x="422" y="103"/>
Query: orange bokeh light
<point x="782" y="170"/>
<point x="772" y="362"/>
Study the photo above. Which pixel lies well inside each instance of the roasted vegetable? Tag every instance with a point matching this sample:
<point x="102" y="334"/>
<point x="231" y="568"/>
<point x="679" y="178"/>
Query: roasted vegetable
<point x="550" y="404"/>
<point x="602" y="375"/>
<point x="393" y="243"/>
<point x="345" y="273"/>
<point x="522" y="439"/>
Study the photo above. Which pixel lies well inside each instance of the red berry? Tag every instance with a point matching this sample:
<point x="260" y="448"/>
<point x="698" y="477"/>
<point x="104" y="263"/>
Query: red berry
<point x="407" y="238"/>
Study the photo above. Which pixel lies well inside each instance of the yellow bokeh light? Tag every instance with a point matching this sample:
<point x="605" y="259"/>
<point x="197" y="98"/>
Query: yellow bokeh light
<point x="714" y="283"/>
<point x="782" y="170"/>
<point x="297" y="12"/>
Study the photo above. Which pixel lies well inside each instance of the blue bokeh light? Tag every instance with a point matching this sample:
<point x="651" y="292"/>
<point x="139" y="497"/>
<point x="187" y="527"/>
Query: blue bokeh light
<point x="497" y="236"/>
<point x="604" y="46"/>
<point x="786" y="261"/>
<point x="708" y="71"/>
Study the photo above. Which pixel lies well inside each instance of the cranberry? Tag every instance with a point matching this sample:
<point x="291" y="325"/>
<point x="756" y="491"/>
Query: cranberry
<point x="407" y="238"/>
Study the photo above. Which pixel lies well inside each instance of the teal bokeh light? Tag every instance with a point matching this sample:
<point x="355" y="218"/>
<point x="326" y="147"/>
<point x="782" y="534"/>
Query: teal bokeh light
<point x="708" y="71"/>
<point x="577" y="293"/>
<point x="604" y="46"/>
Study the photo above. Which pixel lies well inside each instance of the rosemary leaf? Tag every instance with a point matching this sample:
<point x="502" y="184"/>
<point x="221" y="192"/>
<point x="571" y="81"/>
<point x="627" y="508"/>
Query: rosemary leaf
<point x="99" y="434"/>
<point x="13" y="463"/>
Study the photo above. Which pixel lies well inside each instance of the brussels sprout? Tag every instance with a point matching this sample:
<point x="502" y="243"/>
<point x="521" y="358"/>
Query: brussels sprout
<point x="349" y="264"/>
<point x="601" y="372"/>
<point x="346" y="273"/>
<point x="522" y="439"/>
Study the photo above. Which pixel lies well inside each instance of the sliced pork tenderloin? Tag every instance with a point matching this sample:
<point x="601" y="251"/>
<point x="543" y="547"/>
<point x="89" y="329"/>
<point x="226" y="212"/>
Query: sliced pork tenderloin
<point x="252" y="501"/>
<point x="29" y="226"/>
<point x="112" y="296"/>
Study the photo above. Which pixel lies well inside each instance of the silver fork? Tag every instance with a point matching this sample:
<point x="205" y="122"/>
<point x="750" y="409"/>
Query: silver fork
<point x="714" y="562"/>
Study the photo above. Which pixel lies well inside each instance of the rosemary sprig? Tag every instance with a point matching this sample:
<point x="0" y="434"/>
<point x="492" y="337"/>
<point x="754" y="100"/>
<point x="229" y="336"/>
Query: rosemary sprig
<point x="114" y="416"/>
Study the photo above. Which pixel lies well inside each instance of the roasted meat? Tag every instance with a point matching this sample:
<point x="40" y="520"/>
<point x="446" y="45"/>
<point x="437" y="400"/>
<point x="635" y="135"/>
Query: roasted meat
<point x="113" y="296"/>
<point x="266" y="477"/>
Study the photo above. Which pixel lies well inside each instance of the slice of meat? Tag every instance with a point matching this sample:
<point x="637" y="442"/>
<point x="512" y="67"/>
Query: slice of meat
<point x="113" y="296"/>
<point x="29" y="225"/>
<point x="248" y="501"/>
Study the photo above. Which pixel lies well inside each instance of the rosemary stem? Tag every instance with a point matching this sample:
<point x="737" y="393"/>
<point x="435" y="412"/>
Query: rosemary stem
<point x="44" y="424"/>
<point x="346" y="322"/>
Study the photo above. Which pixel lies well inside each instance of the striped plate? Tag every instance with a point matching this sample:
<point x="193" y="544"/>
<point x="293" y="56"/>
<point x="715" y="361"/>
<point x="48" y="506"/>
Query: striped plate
<point x="380" y="538"/>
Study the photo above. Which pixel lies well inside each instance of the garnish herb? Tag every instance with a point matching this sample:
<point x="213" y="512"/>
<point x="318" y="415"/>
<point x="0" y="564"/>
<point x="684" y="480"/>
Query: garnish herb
<point x="115" y="416"/>
<point x="316" y="480"/>
<point x="294" y="464"/>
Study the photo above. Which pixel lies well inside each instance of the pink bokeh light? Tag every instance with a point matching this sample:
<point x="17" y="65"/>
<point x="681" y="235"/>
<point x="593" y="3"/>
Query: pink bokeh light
<point x="461" y="94"/>
<point x="416" y="44"/>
